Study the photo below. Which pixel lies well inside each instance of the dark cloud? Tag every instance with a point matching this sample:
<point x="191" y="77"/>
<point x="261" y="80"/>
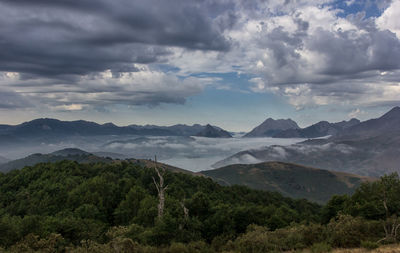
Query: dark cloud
<point x="12" y="100"/>
<point x="62" y="37"/>
<point x="347" y="53"/>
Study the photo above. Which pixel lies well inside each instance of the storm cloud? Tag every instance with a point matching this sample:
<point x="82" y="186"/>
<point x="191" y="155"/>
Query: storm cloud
<point x="80" y="37"/>
<point x="85" y="54"/>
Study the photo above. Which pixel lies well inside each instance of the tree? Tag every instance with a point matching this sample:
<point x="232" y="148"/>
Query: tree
<point x="335" y="205"/>
<point x="379" y="200"/>
<point x="389" y="189"/>
<point x="160" y="188"/>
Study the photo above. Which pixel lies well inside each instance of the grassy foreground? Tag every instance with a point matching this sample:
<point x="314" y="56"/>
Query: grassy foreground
<point x="383" y="249"/>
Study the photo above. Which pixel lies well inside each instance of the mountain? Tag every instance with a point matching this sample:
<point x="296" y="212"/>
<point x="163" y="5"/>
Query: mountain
<point x="213" y="132"/>
<point x="271" y="127"/>
<point x="111" y="155"/>
<point x="54" y="127"/>
<point x="178" y="129"/>
<point x="70" y="152"/>
<point x="370" y="148"/>
<point x="65" y="154"/>
<point x="388" y="123"/>
<point x="346" y="124"/>
<point x="289" y="179"/>
<point x="3" y="160"/>
<point x="320" y="129"/>
<point x="81" y="156"/>
<point x="49" y="128"/>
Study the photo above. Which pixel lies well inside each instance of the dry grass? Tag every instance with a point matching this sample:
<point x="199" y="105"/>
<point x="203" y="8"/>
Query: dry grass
<point x="383" y="249"/>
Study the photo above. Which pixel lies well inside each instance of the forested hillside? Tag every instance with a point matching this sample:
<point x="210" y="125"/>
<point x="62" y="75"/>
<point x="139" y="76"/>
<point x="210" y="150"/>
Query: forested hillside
<point x="292" y="180"/>
<point x="66" y="206"/>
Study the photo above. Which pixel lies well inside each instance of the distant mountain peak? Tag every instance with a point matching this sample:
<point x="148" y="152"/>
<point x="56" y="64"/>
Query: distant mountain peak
<point x="70" y="151"/>
<point x="270" y="127"/>
<point x="320" y="129"/>
<point x="393" y="113"/>
<point x="109" y="124"/>
<point x="213" y="132"/>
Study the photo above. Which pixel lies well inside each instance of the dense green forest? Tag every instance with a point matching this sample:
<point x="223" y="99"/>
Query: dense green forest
<point x="72" y="207"/>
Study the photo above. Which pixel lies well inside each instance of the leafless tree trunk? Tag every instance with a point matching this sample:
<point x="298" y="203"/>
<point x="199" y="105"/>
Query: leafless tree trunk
<point x="185" y="210"/>
<point x="391" y="227"/>
<point x="185" y="214"/>
<point x="160" y="188"/>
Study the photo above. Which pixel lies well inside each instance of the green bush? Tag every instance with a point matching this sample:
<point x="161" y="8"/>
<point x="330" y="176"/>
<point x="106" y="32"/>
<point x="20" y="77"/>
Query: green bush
<point x="348" y="231"/>
<point x="321" y="247"/>
<point x="255" y="240"/>
<point x="369" y="245"/>
<point x="177" y="247"/>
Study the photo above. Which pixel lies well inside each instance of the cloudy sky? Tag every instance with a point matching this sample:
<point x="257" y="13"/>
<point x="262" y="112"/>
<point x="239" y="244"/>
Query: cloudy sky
<point x="231" y="63"/>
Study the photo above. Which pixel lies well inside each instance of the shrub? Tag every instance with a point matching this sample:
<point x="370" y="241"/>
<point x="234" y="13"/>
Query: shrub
<point x="369" y="245"/>
<point x="177" y="247"/>
<point x="348" y="231"/>
<point x="320" y="247"/>
<point x="199" y="247"/>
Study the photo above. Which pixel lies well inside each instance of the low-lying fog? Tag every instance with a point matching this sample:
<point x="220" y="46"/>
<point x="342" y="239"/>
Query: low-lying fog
<point x="191" y="153"/>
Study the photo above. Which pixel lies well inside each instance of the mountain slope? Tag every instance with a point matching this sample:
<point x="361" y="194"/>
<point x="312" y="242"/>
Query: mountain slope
<point x="320" y="129"/>
<point x="388" y="123"/>
<point x="70" y="152"/>
<point x="178" y="129"/>
<point x="270" y="127"/>
<point x="3" y="160"/>
<point x="291" y="180"/>
<point x="370" y="148"/>
<point x="213" y="132"/>
<point x="81" y="156"/>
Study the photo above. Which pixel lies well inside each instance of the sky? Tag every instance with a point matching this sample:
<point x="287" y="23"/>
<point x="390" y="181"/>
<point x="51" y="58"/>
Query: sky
<point x="231" y="63"/>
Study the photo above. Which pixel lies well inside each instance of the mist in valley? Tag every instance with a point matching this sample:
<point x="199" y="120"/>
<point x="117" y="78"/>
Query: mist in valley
<point x="191" y="153"/>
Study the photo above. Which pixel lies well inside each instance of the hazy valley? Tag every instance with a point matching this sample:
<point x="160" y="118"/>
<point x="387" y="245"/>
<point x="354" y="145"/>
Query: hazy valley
<point x="368" y="148"/>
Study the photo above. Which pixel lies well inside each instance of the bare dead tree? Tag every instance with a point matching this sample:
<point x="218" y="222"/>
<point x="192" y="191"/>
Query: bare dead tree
<point x="160" y="188"/>
<point x="391" y="227"/>
<point x="185" y="210"/>
<point x="185" y="214"/>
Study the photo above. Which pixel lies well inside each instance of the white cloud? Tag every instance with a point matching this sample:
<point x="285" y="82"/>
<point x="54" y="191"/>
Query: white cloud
<point x="142" y="87"/>
<point x="308" y="54"/>
<point x="355" y="113"/>
<point x="390" y="19"/>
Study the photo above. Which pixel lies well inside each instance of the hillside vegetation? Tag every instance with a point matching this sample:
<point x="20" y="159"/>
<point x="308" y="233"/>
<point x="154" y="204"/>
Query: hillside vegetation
<point x="66" y="206"/>
<point x="291" y="180"/>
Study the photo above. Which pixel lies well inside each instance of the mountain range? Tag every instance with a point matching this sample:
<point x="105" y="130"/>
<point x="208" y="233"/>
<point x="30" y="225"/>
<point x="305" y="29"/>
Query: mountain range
<point x="57" y="128"/>
<point x="287" y="128"/>
<point x="370" y="148"/>
<point x="291" y="180"/>
<point x="320" y="129"/>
